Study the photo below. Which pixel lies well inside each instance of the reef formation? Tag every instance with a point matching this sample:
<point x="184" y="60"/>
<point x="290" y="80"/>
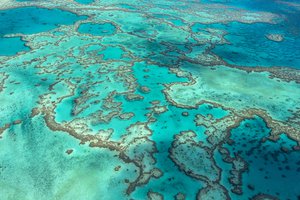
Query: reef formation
<point x="149" y="99"/>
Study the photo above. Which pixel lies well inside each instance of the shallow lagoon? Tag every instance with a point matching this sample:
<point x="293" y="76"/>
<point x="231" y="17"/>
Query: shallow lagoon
<point x="11" y="46"/>
<point x="97" y="29"/>
<point x="85" y="1"/>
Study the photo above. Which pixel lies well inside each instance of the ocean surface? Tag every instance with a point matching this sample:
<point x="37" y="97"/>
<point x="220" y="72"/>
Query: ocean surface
<point x="160" y="99"/>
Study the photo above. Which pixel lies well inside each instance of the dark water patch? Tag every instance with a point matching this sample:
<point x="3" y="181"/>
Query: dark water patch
<point x="30" y="20"/>
<point x="282" y="8"/>
<point x="249" y="45"/>
<point x="272" y="166"/>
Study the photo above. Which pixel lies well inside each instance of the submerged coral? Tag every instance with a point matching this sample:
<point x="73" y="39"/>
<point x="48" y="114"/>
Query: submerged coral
<point x="149" y="99"/>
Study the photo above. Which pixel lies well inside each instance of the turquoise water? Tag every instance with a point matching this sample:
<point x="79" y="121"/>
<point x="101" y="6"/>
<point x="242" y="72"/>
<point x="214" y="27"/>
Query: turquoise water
<point x="149" y="100"/>
<point x="97" y="29"/>
<point x="11" y="46"/>
<point x="111" y="53"/>
<point x="85" y="1"/>
<point x="43" y="169"/>
<point x="30" y="20"/>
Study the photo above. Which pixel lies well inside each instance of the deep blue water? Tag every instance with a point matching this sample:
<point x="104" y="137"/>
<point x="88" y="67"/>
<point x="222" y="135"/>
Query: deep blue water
<point x="250" y="47"/>
<point x="30" y="20"/>
<point x="269" y="167"/>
